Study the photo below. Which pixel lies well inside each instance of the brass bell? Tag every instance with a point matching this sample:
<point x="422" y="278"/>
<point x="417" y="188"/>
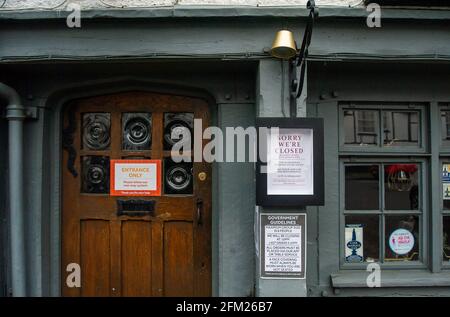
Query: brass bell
<point x="284" y="45"/>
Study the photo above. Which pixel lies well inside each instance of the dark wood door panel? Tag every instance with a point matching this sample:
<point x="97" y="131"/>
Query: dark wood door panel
<point x="164" y="253"/>
<point x="178" y="248"/>
<point x="95" y="257"/>
<point x="136" y="258"/>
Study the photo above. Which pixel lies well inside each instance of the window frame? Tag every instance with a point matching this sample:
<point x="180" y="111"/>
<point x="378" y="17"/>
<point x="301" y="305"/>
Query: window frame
<point x="443" y="212"/>
<point x="422" y="213"/>
<point x="443" y="149"/>
<point x="444" y="157"/>
<point x="380" y="155"/>
<point x="421" y="108"/>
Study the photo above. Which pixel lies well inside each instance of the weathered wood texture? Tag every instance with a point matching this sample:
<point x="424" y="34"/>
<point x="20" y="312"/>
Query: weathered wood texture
<point x="219" y="38"/>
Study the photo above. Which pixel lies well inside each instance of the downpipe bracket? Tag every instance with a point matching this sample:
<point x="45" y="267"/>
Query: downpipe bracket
<point x="20" y="113"/>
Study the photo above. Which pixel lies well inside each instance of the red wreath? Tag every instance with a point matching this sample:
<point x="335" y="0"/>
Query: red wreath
<point x="408" y="168"/>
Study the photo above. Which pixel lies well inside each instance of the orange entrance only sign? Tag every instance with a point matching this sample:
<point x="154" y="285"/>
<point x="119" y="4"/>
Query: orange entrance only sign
<point x="135" y="178"/>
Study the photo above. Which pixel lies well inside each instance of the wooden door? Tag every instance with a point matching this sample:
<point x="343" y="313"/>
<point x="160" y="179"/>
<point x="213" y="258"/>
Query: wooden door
<point x="164" y="253"/>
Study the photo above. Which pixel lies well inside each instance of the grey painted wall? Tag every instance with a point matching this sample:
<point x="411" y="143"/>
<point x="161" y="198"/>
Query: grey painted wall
<point x="236" y="277"/>
<point x="233" y="86"/>
<point x="366" y="82"/>
<point x="273" y="101"/>
<point x="346" y="39"/>
<point x="3" y="220"/>
<point x="230" y="83"/>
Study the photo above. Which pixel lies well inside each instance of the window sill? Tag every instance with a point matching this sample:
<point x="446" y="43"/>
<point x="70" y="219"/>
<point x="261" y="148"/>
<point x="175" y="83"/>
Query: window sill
<point x="390" y="278"/>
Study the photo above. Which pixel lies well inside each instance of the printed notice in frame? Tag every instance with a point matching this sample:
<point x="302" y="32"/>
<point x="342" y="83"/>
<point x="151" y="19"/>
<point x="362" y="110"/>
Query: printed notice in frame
<point x="290" y="164"/>
<point x="446" y="181"/>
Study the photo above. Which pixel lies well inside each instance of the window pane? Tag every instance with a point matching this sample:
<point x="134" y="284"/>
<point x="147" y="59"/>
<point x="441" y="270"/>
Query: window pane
<point x="401" y="128"/>
<point x="446" y="238"/>
<point x="361" y="238"/>
<point x="445" y="127"/>
<point x="402" y="238"/>
<point x="446" y="185"/>
<point x="361" y="187"/>
<point x="361" y="127"/>
<point x="401" y="189"/>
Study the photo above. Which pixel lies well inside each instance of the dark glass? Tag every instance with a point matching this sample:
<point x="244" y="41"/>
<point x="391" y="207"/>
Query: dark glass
<point x="361" y="127"/>
<point x="361" y="187"/>
<point x="401" y="128"/>
<point x="446" y="185"/>
<point x="178" y="178"/>
<point x="369" y="224"/>
<point x="136" y="131"/>
<point x="446" y="238"/>
<point x="445" y="127"/>
<point x="401" y="187"/>
<point x="177" y="125"/>
<point x="96" y="131"/>
<point x="410" y="223"/>
<point x="95" y="175"/>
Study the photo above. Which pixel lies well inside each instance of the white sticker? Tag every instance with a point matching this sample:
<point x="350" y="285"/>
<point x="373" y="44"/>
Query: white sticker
<point x="354" y="243"/>
<point x="446" y="191"/>
<point x="401" y="241"/>
<point x="283" y="249"/>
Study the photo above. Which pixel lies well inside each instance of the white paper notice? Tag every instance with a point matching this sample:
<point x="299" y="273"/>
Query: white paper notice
<point x="135" y="177"/>
<point x="290" y="162"/>
<point x="282" y="249"/>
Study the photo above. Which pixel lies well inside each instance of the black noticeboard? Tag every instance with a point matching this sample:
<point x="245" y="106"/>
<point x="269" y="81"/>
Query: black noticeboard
<point x="282" y="245"/>
<point x="289" y="170"/>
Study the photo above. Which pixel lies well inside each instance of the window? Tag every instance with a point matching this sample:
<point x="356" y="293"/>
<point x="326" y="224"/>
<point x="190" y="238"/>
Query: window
<point x="445" y="127"/>
<point x="380" y="199"/>
<point x="382" y="128"/>
<point x="361" y="127"/>
<point x="400" y="128"/>
<point x="383" y="174"/>
<point x="445" y="181"/>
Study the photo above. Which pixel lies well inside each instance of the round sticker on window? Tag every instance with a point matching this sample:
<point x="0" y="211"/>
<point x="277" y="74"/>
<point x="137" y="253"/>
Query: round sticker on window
<point x="401" y="241"/>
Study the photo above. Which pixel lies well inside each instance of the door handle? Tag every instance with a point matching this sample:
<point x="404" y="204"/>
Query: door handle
<point x="199" y="211"/>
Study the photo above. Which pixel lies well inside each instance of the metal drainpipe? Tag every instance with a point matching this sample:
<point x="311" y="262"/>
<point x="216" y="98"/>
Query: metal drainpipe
<point x="16" y="114"/>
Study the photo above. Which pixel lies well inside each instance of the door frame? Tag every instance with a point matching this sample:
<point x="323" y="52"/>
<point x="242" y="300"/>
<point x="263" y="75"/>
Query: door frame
<point x="58" y="101"/>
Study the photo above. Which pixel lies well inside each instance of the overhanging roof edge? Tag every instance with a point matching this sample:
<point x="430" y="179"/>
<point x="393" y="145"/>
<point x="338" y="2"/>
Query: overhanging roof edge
<point x="183" y="11"/>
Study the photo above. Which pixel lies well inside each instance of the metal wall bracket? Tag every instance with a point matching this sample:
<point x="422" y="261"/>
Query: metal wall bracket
<point x="30" y="113"/>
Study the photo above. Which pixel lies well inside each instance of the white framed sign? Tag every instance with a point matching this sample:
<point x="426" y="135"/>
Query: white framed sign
<point x="290" y="162"/>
